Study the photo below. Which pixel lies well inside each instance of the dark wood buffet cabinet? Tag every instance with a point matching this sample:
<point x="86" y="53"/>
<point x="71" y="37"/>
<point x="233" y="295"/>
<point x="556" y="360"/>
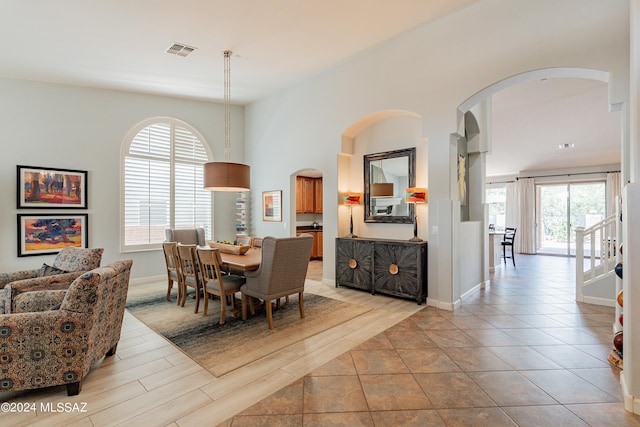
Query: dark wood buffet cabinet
<point x="393" y="267"/>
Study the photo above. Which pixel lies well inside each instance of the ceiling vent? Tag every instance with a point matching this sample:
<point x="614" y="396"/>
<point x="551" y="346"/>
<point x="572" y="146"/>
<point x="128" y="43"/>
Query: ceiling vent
<point x="180" y="49"/>
<point x="566" y="146"/>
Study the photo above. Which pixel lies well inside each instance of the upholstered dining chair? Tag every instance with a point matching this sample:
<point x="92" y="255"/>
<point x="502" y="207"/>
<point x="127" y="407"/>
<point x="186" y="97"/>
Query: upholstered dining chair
<point x="507" y="241"/>
<point x="214" y="282"/>
<point x="172" y="264"/>
<point x="189" y="275"/>
<point x="191" y="236"/>
<point x="282" y="272"/>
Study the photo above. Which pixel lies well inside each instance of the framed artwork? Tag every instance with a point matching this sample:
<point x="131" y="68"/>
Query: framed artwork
<point x="46" y="234"/>
<point x="40" y="187"/>
<point x="272" y="205"/>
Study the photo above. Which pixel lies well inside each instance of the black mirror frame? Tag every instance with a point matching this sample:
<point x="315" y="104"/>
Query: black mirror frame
<point x="370" y="158"/>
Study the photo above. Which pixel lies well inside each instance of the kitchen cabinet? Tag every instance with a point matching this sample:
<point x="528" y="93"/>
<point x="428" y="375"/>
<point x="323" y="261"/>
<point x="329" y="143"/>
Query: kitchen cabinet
<point x="308" y="195"/>
<point x="316" y="249"/>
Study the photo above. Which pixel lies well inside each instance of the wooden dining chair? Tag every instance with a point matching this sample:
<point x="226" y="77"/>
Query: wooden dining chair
<point x="172" y="263"/>
<point x="189" y="275"/>
<point x="215" y="283"/>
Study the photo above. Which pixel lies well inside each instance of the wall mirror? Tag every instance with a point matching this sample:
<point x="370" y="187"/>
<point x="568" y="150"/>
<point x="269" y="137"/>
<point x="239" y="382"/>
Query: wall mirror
<point x="386" y="176"/>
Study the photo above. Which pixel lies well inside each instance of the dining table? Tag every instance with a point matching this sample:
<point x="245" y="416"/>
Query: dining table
<point x="249" y="261"/>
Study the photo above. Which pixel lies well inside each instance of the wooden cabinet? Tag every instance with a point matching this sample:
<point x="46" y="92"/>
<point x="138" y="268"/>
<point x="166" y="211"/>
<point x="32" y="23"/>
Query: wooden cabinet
<point x="308" y="195"/>
<point x="316" y="249"/>
<point x="393" y="267"/>
<point x="317" y="192"/>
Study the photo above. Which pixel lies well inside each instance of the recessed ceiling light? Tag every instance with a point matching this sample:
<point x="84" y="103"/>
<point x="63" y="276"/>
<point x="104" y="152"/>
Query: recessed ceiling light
<point x="180" y="49"/>
<point x="566" y="146"/>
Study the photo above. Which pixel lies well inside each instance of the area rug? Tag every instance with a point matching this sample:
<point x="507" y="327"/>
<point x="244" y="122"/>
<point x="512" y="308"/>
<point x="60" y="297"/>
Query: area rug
<point x="223" y="348"/>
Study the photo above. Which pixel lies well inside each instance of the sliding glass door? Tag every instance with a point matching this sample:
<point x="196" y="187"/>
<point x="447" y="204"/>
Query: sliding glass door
<point x="560" y="208"/>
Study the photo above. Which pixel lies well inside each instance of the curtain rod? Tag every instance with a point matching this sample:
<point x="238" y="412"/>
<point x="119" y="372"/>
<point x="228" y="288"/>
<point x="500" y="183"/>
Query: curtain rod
<point x="550" y="176"/>
<point x="565" y="174"/>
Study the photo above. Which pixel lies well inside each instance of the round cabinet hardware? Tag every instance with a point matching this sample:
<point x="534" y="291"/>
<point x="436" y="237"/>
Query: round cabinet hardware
<point x="353" y="263"/>
<point x="393" y="269"/>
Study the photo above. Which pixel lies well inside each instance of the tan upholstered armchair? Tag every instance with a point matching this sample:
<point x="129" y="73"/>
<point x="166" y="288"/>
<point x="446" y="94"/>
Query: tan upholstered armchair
<point x="59" y="346"/>
<point x="192" y="236"/>
<point x="282" y="272"/>
<point x="70" y="262"/>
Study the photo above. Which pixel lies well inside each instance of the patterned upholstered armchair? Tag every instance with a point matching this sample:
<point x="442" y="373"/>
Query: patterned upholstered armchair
<point x="70" y="262"/>
<point x="59" y="346"/>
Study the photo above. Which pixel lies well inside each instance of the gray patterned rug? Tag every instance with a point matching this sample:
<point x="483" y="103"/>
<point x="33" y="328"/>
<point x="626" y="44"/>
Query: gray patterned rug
<point x="223" y="348"/>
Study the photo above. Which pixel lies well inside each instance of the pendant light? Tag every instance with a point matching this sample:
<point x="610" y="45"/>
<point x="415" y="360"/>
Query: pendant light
<point x="227" y="176"/>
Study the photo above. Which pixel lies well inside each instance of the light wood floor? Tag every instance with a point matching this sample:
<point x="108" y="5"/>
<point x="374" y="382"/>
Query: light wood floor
<point x="152" y="383"/>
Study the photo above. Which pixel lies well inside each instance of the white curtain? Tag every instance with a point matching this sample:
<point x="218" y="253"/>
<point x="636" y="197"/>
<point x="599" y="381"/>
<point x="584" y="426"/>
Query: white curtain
<point x="613" y="191"/>
<point x="512" y="209"/>
<point x="526" y="194"/>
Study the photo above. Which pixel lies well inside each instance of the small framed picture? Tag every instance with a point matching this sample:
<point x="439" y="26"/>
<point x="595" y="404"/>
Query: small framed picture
<point x="272" y="205"/>
<point x="40" y="187"/>
<point x="49" y="233"/>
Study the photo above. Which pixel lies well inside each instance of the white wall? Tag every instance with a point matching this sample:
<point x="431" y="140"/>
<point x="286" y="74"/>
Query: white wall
<point x="429" y="71"/>
<point x="61" y="126"/>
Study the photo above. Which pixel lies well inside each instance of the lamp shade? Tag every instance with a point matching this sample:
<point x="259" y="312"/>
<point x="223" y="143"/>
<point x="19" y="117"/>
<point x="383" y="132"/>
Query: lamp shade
<point x="226" y="176"/>
<point x="416" y="195"/>
<point x="352" y="198"/>
<point x="381" y="189"/>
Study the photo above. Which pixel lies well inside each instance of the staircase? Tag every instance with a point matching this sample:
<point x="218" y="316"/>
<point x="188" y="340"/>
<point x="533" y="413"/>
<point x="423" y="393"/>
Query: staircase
<point x="595" y="262"/>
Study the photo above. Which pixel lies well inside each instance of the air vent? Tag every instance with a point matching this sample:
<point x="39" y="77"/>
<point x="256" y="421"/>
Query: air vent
<point x="180" y="49"/>
<point x="566" y="146"/>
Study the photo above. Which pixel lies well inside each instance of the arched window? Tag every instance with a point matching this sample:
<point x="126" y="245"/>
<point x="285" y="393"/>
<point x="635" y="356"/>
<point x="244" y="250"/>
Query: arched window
<point x="161" y="179"/>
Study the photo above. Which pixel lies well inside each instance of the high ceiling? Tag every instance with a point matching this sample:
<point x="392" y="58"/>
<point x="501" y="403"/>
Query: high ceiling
<point x="532" y="119"/>
<point x="121" y="44"/>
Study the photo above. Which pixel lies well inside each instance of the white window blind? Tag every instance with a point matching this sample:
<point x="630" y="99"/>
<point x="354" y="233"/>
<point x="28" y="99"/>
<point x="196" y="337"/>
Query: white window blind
<point x="163" y="185"/>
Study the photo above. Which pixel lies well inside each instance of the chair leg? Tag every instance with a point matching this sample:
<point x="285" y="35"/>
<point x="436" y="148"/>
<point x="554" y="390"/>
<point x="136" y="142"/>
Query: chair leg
<point x="73" y="389"/>
<point x="169" y="288"/>
<point x="111" y="351"/>
<point x="267" y="306"/>
<point x="504" y="253"/>
<point x="252" y="307"/>
<point x="244" y="306"/>
<point x="301" y="304"/>
<point x="513" y="257"/>
<point x="197" y="300"/>
<point x="184" y="295"/>
<point x="206" y="304"/>
<point x="223" y="308"/>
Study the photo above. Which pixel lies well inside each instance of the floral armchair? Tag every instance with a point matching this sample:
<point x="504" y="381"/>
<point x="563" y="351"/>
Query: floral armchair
<point x="70" y="261"/>
<point x="60" y="345"/>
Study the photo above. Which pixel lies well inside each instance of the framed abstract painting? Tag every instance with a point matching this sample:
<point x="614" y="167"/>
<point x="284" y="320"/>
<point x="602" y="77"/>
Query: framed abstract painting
<point x="272" y="205"/>
<point x="49" y="233"/>
<point x="40" y="187"/>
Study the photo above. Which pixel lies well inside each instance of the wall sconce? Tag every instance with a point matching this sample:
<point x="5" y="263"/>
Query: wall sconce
<point x="415" y="195"/>
<point x="351" y="199"/>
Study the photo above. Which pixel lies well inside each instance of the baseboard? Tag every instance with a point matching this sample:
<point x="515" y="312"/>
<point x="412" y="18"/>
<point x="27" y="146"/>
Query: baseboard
<point x="599" y="301"/>
<point x="631" y="404"/>
<point x="148" y="279"/>
<point x="441" y="305"/>
<point x="476" y="288"/>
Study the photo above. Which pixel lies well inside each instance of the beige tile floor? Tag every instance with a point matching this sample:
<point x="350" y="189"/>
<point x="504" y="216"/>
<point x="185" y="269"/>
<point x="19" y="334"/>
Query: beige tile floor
<point x="521" y="352"/>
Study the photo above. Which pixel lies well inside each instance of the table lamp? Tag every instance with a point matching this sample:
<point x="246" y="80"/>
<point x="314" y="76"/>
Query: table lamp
<point x="351" y="199"/>
<point x="415" y="195"/>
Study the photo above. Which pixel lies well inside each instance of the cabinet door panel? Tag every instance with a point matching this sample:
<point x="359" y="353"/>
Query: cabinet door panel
<point x="396" y="269"/>
<point x="354" y="263"/>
